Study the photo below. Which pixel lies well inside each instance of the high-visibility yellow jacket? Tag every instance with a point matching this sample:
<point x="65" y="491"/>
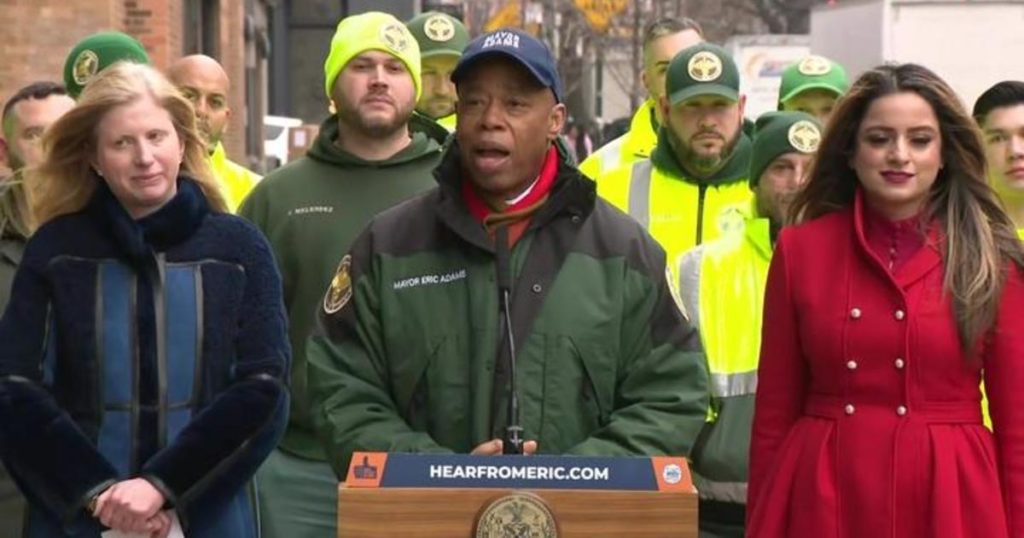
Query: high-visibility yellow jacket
<point x="636" y="144"/>
<point x="448" y="122"/>
<point x="678" y="211"/>
<point x="235" y="180"/>
<point x="722" y="286"/>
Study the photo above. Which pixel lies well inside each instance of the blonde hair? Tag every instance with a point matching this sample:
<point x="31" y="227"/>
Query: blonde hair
<point x="66" y="179"/>
<point x="15" y="208"/>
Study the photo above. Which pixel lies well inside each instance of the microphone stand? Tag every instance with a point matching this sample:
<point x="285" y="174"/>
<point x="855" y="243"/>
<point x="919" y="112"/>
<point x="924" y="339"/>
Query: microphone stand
<point x="512" y="442"/>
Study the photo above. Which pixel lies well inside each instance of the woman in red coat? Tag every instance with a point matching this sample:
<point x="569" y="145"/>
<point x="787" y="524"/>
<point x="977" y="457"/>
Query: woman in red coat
<point x="900" y="288"/>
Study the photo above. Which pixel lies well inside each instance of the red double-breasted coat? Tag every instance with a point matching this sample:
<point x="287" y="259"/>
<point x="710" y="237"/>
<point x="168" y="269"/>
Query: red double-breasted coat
<point x="868" y="421"/>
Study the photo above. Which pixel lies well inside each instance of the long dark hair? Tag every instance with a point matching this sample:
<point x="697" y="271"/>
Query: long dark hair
<point x="980" y="239"/>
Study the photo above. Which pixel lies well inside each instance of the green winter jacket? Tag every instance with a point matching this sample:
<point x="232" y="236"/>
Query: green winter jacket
<point x="411" y="360"/>
<point x="311" y="210"/>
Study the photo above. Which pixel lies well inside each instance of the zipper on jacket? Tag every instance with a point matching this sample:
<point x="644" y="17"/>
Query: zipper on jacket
<point x="703" y="190"/>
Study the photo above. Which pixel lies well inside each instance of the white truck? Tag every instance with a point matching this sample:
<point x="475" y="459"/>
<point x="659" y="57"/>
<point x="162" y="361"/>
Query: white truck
<point x="970" y="44"/>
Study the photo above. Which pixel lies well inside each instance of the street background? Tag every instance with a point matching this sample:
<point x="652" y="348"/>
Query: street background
<point x="273" y="50"/>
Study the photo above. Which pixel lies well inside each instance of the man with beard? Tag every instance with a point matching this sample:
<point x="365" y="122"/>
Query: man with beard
<point x="722" y="284"/>
<point x="663" y="39"/>
<point x="442" y="39"/>
<point x="203" y="81"/>
<point x="408" y="354"/>
<point x="26" y="116"/>
<point x="693" y="188"/>
<point x="372" y="154"/>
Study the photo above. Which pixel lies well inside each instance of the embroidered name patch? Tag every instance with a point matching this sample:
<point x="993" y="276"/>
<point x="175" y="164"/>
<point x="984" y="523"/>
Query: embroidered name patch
<point x="501" y="39"/>
<point x="429" y="280"/>
<point x="309" y="210"/>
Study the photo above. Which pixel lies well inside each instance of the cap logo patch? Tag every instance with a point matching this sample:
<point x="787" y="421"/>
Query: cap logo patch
<point x="804" y="136"/>
<point x="501" y="39"/>
<point x="814" y="66"/>
<point x="395" y="36"/>
<point x="705" y="66"/>
<point x="439" y="28"/>
<point x="85" y="67"/>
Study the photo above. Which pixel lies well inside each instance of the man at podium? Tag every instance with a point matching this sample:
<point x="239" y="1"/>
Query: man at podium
<point x="511" y="269"/>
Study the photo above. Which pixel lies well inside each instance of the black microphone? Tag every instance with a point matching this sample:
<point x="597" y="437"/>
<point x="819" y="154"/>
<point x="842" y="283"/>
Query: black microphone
<point x="512" y="442"/>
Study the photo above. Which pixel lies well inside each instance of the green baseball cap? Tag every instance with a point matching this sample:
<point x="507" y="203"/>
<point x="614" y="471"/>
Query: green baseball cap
<point x="813" y="73"/>
<point x="97" y="52"/>
<point x="438" y="34"/>
<point x="778" y="133"/>
<point x="703" y="69"/>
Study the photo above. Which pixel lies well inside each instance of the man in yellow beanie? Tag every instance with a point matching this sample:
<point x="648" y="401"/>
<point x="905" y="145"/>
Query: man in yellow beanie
<point x="373" y="153"/>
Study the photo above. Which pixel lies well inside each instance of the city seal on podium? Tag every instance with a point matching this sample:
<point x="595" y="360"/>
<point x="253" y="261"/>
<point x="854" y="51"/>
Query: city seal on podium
<point x="519" y="515"/>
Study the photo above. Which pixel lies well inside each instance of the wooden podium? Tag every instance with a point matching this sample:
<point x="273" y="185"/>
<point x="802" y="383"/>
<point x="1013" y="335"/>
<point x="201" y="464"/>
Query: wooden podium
<point x="499" y="497"/>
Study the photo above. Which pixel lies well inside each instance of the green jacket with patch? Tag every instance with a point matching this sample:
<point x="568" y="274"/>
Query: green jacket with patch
<point x="311" y="210"/>
<point x="407" y="357"/>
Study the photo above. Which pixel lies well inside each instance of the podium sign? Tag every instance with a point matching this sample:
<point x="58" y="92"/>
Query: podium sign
<point x="443" y="495"/>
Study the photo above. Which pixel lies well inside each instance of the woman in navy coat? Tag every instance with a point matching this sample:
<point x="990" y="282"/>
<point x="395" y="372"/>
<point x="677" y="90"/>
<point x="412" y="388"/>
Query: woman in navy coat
<point x="143" y="354"/>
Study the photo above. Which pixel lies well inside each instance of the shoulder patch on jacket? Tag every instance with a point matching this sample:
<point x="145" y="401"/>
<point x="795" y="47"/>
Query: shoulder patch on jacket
<point x="341" y="287"/>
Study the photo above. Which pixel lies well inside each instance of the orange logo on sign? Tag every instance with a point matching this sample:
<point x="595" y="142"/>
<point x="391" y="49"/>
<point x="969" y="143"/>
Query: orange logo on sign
<point x="673" y="474"/>
<point x="366" y="469"/>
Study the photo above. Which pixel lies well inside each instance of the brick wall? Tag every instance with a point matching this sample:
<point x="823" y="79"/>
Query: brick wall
<point x="38" y="34"/>
<point x="159" y="26"/>
<point x="232" y="57"/>
<point x="150" y="22"/>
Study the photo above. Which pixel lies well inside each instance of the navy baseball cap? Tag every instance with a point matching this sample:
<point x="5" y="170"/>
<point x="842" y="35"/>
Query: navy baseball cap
<point x="522" y="47"/>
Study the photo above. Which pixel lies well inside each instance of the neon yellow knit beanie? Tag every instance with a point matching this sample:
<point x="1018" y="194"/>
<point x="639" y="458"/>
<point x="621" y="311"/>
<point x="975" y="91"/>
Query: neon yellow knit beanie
<point x="371" y="31"/>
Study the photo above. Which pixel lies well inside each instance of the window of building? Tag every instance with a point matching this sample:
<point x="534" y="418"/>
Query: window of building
<point x="202" y="27"/>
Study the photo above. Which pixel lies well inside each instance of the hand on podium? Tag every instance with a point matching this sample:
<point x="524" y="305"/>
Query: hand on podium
<point x="494" y="448"/>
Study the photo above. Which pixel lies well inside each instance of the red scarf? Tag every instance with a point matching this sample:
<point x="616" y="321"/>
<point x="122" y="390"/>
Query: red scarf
<point x="548" y="171"/>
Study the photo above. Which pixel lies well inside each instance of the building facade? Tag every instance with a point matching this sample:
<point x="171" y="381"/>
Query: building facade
<point x="38" y="34"/>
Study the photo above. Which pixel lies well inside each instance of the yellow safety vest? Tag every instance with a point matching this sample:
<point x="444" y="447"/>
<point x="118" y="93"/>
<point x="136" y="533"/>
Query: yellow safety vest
<point x="679" y="214"/>
<point x="722" y="286"/>
<point x="637" y="143"/>
<point x="235" y="180"/>
<point x="448" y="122"/>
